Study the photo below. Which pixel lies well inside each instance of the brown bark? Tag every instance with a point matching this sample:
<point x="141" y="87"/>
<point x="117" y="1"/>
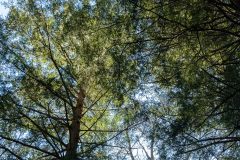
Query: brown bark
<point x="74" y="129"/>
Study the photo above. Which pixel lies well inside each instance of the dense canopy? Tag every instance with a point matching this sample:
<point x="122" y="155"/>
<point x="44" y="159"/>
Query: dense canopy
<point x="120" y="79"/>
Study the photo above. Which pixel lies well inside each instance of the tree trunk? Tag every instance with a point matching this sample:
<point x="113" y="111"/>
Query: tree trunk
<point x="71" y="153"/>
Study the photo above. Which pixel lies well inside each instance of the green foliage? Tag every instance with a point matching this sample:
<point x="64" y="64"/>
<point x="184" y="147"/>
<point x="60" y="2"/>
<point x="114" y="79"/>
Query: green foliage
<point x="188" y="50"/>
<point x="65" y="46"/>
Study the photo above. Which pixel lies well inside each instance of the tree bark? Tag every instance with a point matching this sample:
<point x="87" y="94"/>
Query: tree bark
<point x="74" y="129"/>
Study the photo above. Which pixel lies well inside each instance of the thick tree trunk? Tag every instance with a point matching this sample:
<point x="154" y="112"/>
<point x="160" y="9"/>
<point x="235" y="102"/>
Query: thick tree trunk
<point x="74" y="130"/>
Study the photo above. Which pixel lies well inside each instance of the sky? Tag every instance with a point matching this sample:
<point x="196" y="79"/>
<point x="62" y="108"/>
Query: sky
<point x="3" y="10"/>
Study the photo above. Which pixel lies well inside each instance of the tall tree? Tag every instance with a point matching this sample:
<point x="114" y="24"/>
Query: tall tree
<point x="74" y="69"/>
<point x="196" y="58"/>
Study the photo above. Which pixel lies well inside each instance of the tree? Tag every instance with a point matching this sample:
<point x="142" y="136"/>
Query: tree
<point x="195" y="48"/>
<point x="73" y="71"/>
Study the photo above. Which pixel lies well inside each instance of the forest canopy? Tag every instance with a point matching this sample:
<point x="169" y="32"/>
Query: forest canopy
<point x="120" y="79"/>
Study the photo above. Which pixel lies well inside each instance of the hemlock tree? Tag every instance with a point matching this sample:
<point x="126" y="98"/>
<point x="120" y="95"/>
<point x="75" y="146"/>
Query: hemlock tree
<point x="195" y="56"/>
<point x="73" y="71"/>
